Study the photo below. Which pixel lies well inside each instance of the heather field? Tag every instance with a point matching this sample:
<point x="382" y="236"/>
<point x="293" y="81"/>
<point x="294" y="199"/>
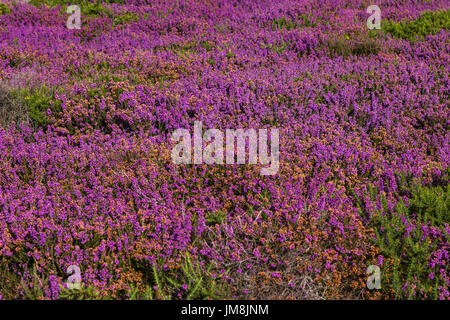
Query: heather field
<point x="93" y="205"/>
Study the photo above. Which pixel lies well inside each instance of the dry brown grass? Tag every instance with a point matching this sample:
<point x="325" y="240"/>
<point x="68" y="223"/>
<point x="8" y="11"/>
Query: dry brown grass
<point x="294" y="284"/>
<point x="361" y="46"/>
<point x="13" y="111"/>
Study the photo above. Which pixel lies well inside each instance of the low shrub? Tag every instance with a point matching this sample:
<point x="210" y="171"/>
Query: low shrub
<point x="428" y="23"/>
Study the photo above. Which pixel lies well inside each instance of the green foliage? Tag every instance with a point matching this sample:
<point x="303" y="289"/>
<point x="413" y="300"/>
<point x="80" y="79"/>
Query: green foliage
<point x="189" y="48"/>
<point x="431" y="204"/>
<point x="37" y="102"/>
<point x="403" y="242"/>
<point x="125" y="18"/>
<point x="87" y="7"/>
<point x="135" y="294"/>
<point x="283" y="23"/>
<point x="192" y="282"/>
<point x="4" y="8"/>
<point x="230" y="54"/>
<point x="207" y="45"/>
<point x="216" y="218"/>
<point x="114" y="1"/>
<point x="94" y="9"/>
<point x="428" y="23"/>
<point x="211" y="61"/>
<point x="84" y="293"/>
<point x="278" y="46"/>
<point x="54" y="3"/>
<point x="301" y="21"/>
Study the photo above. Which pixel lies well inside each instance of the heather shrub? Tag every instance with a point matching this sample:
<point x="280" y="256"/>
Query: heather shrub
<point x="428" y="23"/>
<point x="98" y="188"/>
<point x="283" y="23"/>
